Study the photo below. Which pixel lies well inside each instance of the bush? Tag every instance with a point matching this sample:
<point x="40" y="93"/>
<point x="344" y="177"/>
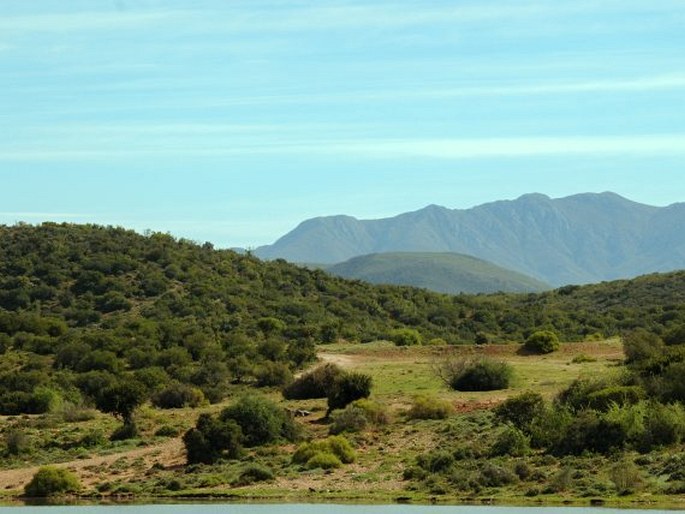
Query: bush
<point x="511" y="441"/>
<point x="481" y="374"/>
<point x="310" y="454"/>
<point x="176" y="396"/>
<point x="620" y="395"/>
<point x="626" y="477"/>
<point x="212" y="439"/>
<point x="664" y="425"/>
<point x="350" y="419"/>
<point x="347" y="388"/>
<point x="17" y="442"/>
<point x="521" y="411"/>
<point x="542" y="341"/>
<point x="273" y="374"/>
<point x="429" y="407"/>
<point x="51" y="481"/>
<point x="492" y="475"/>
<point x="323" y="460"/>
<point x="437" y="461"/>
<point x="314" y="384"/>
<point x="254" y="473"/>
<point x="260" y="419"/>
<point x="405" y="337"/>
<point x="589" y="431"/>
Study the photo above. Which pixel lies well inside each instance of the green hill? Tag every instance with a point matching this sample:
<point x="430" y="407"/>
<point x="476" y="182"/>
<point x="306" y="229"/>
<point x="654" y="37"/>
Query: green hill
<point x="451" y="273"/>
<point x="84" y="308"/>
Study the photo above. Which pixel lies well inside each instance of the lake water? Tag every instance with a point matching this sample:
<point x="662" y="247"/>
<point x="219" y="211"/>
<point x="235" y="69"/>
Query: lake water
<point x="231" y="508"/>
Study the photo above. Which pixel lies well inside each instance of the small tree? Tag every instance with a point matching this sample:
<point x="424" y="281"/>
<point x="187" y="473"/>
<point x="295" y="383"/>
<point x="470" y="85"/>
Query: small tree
<point x="211" y="439"/>
<point x="542" y="341"/>
<point x="121" y="400"/>
<point x="260" y="419"/>
<point x="347" y="388"/>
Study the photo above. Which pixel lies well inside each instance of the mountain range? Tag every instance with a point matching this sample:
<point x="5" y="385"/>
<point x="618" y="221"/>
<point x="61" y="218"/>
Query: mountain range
<point x="584" y="238"/>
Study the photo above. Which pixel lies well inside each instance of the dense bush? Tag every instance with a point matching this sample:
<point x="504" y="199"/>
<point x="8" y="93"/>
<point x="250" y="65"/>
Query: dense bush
<point x="313" y="384"/>
<point x="261" y="420"/>
<point x="522" y="410"/>
<point x="475" y="374"/>
<point x="542" y="341"/>
<point x="213" y="438"/>
<point x="271" y="373"/>
<point x="429" y="407"/>
<point x="254" y="473"/>
<point x="405" y="337"/>
<point x="511" y="441"/>
<point x="357" y="416"/>
<point x="177" y="395"/>
<point x="347" y="388"/>
<point x="51" y="481"/>
<point x="325" y="453"/>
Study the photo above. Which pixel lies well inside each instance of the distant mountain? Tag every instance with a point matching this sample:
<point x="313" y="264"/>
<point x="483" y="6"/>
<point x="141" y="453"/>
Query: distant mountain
<point x="442" y="272"/>
<point x="578" y="239"/>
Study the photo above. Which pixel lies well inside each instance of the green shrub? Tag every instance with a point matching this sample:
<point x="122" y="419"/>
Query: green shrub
<point x="511" y="441"/>
<point x="521" y="410"/>
<point x="260" y="419"/>
<point x="16" y="442"/>
<point x="323" y="460"/>
<point x="405" y="337"/>
<point x="376" y="413"/>
<point x="492" y="475"/>
<point x="626" y="477"/>
<point x="51" y="481"/>
<point x="664" y="425"/>
<point x="212" y="439"/>
<point x="177" y="395"/>
<point x="349" y="419"/>
<point x="481" y="374"/>
<point x="429" y="407"/>
<point x="271" y="373"/>
<point x="337" y="446"/>
<point x="347" y="388"/>
<point x="542" y="341"/>
<point x="254" y="473"/>
<point x="314" y="384"/>
<point x="437" y="461"/>
<point x="590" y="431"/>
<point x="620" y="395"/>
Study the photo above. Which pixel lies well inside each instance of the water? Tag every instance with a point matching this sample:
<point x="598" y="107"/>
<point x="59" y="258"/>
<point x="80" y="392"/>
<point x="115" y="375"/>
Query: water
<point x="223" y="508"/>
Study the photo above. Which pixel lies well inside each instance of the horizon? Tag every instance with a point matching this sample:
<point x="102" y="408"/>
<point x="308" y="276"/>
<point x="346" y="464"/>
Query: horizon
<point x="234" y="122"/>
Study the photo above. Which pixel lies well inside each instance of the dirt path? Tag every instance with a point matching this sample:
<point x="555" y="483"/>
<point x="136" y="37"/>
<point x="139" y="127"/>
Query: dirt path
<point x="344" y="361"/>
<point x="92" y="470"/>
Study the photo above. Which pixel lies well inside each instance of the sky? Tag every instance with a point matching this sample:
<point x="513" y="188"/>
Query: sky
<point x="232" y="121"/>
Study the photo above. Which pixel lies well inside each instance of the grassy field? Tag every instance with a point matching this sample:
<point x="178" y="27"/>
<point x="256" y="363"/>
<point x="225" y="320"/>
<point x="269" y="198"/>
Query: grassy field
<point x="153" y="465"/>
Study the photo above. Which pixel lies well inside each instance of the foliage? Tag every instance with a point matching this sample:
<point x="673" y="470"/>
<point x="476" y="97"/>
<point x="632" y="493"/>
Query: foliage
<point x="542" y="341"/>
<point x="177" y="395"/>
<point x="254" y="473"/>
<point x="429" y="407"/>
<point x="405" y="337"/>
<point x="474" y="374"/>
<point x="348" y="387"/>
<point x="325" y="453"/>
<point x="213" y="438"/>
<point x="522" y="410"/>
<point x="260" y="420"/>
<point x="511" y="441"/>
<point x="313" y="384"/>
<point x="122" y="399"/>
<point x="51" y="481"/>
<point x="358" y="415"/>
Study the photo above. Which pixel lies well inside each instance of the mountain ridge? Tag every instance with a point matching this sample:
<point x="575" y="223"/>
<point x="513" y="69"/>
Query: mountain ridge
<point x="582" y="238"/>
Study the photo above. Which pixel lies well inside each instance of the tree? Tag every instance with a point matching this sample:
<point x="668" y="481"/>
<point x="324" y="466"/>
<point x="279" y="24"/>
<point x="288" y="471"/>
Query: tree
<point x="122" y="399"/>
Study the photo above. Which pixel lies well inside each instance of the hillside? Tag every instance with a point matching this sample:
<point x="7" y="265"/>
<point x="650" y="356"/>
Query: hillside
<point x="442" y="272"/>
<point x="574" y="240"/>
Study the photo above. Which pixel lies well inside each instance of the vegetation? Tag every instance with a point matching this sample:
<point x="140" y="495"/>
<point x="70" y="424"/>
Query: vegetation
<point x="474" y="373"/>
<point x="51" y="481"/>
<point x="542" y="341"/>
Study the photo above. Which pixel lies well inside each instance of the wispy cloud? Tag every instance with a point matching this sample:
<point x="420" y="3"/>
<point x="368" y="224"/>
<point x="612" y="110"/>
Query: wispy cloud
<point x="444" y="148"/>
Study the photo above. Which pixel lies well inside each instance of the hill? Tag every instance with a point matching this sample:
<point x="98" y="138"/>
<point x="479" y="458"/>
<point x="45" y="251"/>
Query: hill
<point x="578" y="239"/>
<point x="442" y="272"/>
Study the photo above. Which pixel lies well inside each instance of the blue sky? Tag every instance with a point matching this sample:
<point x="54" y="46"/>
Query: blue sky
<point x="232" y="121"/>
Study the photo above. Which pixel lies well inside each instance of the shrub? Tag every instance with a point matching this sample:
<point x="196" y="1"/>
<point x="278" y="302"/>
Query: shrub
<point x="626" y="477"/>
<point x="177" y="395"/>
<point x="337" y="446"/>
<point x="50" y="481"/>
<point x="347" y="388"/>
<point x="589" y="431"/>
<point x="429" y="407"/>
<point x="481" y="374"/>
<point x="492" y="475"/>
<point x="314" y="384"/>
<point x="254" y="473"/>
<point x="511" y="441"/>
<point x="405" y="337"/>
<point x="542" y="341"/>
<point x="620" y="395"/>
<point x="273" y="374"/>
<point x="521" y="410"/>
<point x="260" y="419"/>
<point x="664" y="425"/>
<point x="350" y="419"/>
<point x="17" y="442"/>
<point x="323" y="460"/>
<point x="437" y="461"/>
<point x="211" y="439"/>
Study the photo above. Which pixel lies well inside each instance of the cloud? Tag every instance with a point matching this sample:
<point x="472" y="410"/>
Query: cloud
<point x="442" y="148"/>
